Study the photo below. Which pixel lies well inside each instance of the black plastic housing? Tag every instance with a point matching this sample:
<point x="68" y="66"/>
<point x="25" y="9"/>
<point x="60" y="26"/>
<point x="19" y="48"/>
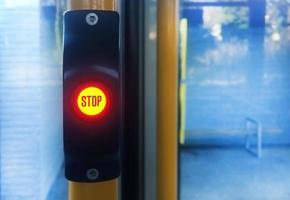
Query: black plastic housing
<point x="91" y="57"/>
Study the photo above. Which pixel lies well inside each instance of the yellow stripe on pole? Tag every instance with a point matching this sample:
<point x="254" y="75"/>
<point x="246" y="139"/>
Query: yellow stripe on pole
<point x="182" y="90"/>
<point x="182" y="99"/>
<point x="108" y="190"/>
<point x="167" y="90"/>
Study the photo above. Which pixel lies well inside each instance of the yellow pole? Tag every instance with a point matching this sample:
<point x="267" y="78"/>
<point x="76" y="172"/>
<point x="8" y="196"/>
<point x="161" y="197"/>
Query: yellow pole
<point x="92" y="4"/>
<point x="93" y="191"/>
<point x="108" y="190"/>
<point x="167" y="84"/>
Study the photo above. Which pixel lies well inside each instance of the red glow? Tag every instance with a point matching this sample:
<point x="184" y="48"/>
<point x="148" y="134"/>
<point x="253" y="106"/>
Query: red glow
<point x="91" y="101"/>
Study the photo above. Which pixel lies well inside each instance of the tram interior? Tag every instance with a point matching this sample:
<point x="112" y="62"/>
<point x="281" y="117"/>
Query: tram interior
<point x="238" y="79"/>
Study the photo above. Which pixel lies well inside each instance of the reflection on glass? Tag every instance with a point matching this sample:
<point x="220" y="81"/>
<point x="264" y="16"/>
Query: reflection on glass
<point x="30" y="102"/>
<point x="238" y="75"/>
<point x="19" y="3"/>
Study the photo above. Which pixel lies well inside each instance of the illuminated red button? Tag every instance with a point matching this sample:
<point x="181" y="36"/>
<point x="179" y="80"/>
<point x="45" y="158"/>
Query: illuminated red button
<point x="92" y="101"/>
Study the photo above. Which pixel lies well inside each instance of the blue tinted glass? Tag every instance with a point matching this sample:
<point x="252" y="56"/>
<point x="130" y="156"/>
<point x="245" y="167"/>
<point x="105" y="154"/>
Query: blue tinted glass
<point x="30" y="91"/>
<point x="237" y="130"/>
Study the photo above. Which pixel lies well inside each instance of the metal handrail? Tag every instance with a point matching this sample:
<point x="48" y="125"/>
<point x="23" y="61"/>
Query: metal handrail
<point x="249" y="119"/>
<point x="258" y="134"/>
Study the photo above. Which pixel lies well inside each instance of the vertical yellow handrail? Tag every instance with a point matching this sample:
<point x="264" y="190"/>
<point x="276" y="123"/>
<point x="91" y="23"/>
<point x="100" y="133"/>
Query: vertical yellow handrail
<point x="108" y="190"/>
<point x="167" y="90"/>
<point x="94" y="191"/>
<point x="92" y="4"/>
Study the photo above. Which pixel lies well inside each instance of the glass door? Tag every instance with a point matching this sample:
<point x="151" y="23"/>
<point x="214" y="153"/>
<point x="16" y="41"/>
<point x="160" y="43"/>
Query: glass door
<point x="234" y="138"/>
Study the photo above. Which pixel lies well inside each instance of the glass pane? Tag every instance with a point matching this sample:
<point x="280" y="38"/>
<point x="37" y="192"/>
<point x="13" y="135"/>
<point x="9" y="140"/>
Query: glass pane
<point x="19" y="3"/>
<point x="30" y="101"/>
<point x="207" y="1"/>
<point x="150" y="54"/>
<point x="235" y="143"/>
